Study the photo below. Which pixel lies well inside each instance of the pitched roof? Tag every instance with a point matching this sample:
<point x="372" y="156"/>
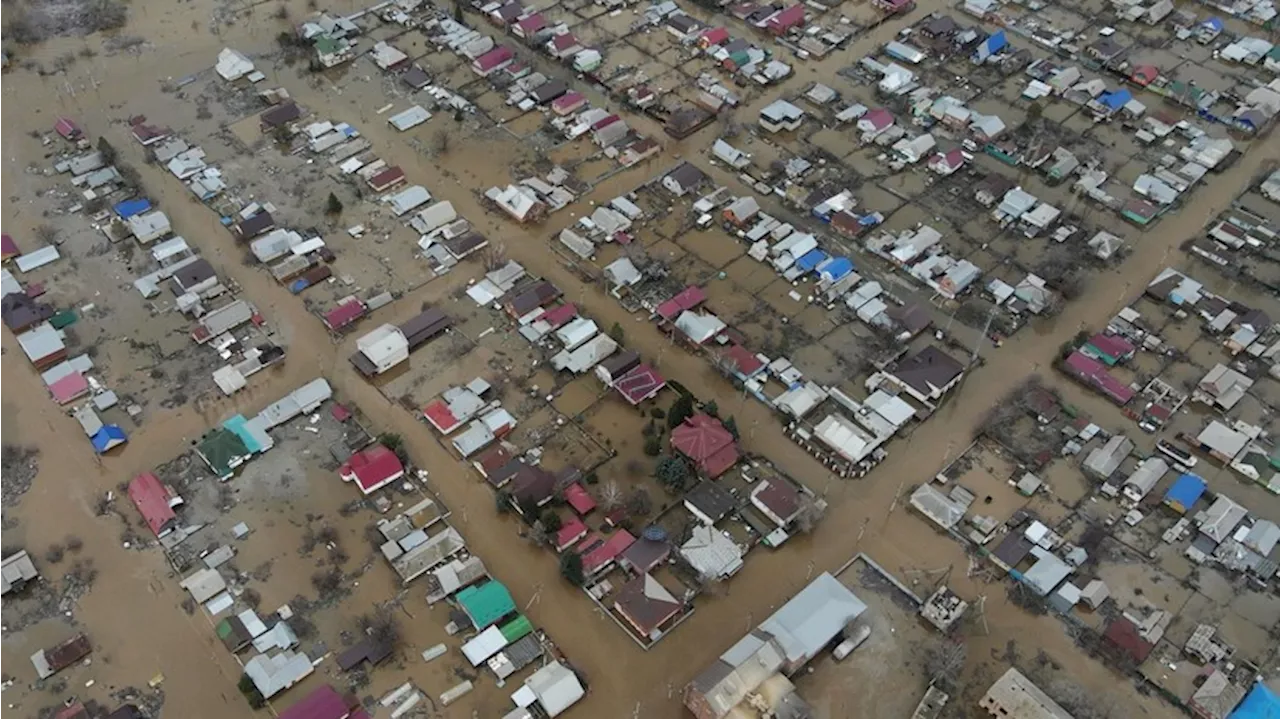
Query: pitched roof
<point x="324" y="702"/>
<point x="711" y="500"/>
<point x="578" y="498"/>
<point x="486" y="603"/>
<point x="703" y="439"/>
<point x="598" y="555"/>
<point x="640" y="384"/>
<point x="687" y="299"/>
<point x="372" y="468"/>
<point x="928" y="369"/>
<point x="779" y="497"/>
<point x="152" y="500"/>
<point x="646" y="603"/>
<point x="532" y="484"/>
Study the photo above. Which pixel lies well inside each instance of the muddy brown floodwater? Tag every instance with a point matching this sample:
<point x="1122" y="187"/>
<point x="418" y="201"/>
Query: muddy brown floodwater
<point x="132" y="612"/>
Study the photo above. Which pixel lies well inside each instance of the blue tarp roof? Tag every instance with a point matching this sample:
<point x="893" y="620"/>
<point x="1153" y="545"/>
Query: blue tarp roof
<point x="1213" y="23"/>
<point x="811" y="259"/>
<point x="1185" y="491"/>
<point x="109" y="436"/>
<point x="1261" y="703"/>
<point x="129" y="208"/>
<point x="1115" y="99"/>
<point x="871" y="220"/>
<point x="837" y="268"/>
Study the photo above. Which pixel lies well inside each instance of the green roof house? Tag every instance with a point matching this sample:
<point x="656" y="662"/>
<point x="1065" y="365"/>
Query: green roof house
<point x="223" y="451"/>
<point x="486" y="604"/>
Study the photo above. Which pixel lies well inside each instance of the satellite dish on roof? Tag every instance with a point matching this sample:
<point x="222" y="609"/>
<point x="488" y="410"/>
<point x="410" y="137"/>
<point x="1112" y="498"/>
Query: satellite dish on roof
<point x="654" y="533"/>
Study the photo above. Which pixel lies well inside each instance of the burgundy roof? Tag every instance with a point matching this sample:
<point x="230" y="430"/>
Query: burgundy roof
<point x="152" y="500"/>
<point x="67" y="128"/>
<point x="1123" y="635"/>
<point x="715" y="36"/>
<point x="571" y="530"/>
<point x="532" y="484"/>
<point x="578" y="498"/>
<point x="494" y="57"/>
<point x="640" y="384"/>
<point x="787" y="19"/>
<point x="780" y="498"/>
<point x="557" y="316"/>
<point x="568" y="100"/>
<point x="324" y="702"/>
<point x="1112" y="345"/>
<point x="344" y="314"/>
<point x="492" y="459"/>
<point x="746" y="363"/>
<point x="372" y="467"/>
<point x="1094" y="373"/>
<point x="8" y="248"/>
<point x="386" y="178"/>
<point x="532" y="23"/>
<point x="879" y="118"/>
<point x="703" y="439"/>
<point x="689" y="297"/>
<point x="601" y="554"/>
<point x="564" y="41"/>
<point x="605" y="122"/>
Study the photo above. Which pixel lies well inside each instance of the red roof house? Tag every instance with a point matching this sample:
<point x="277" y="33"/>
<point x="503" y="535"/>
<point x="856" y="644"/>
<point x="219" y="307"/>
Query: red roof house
<point x="777" y="500"/>
<point x="640" y="384"/>
<point x="705" y="441"/>
<point x="8" y="248"/>
<point x="568" y="103"/>
<point x="689" y="298"/>
<point x="155" y="502"/>
<point x="578" y="498"/>
<point x="387" y="179"/>
<point x="372" y="468"/>
<point x="69" y="388"/>
<point x="1093" y="373"/>
<point x="344" y="314"/>
<point x="571" y="530"/>
<point x="739" y="360"/>
<point x="1144" y="75"/>
<point x="67" y="128"/>
<point x="945" y="163"/>
<point x="492" y="61"/>
<point x="716" y="36"/>
<point x="784" y="20"/>
<point x="558" y="316"/>
<point x="600" y="554"/>
<point x="1123" y="638"/>
<point x="325" y="702"/>
<point x="529" y="26"/>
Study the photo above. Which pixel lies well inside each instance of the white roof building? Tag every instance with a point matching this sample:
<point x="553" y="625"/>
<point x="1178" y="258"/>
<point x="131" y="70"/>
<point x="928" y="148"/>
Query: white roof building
<point x="711" y="554"/>
<point x="556" y="688"/>
<point x="1221" y="518"/>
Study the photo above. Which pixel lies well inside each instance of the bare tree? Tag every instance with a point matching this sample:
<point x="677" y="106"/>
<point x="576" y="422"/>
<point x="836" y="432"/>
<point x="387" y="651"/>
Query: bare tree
<point x="943" y="661"/>
<point x="810" y="513"/>
<point x="538" y="535"/>
<point x="494" y="256"/>
<point x="440" y="141"/>
<point x="611" y="495"/>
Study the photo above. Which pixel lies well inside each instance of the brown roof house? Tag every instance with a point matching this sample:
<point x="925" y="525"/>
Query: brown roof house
<point x="684" y="179"/>
<point x="53" y="660"/>
<point x="646" y="605"/>
<point x="21" y="313"/>
<point x="778" y="500"/>
<point x="928" y="374"/>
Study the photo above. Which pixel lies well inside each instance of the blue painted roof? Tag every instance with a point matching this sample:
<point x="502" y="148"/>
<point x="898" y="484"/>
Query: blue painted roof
<point x="838" y="268"/>
<point x="871" y="220"/>
<point x="997" y="42"/>
<point x="1115" y="99"/>
<point x="811" y="259"/>
<point x="129" y="208"/>
<point x="109" y="436"/>
<point x="1213" y="23"/>
<point x="1185" y="491"/>
<point x="1261" y="703"/>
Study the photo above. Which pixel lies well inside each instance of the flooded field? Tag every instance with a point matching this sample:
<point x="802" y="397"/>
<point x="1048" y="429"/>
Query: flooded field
<point x="127" y="599"/>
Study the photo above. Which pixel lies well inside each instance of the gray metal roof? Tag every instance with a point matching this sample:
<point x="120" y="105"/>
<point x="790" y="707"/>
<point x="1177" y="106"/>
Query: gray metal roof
<point x="812" y="618"/>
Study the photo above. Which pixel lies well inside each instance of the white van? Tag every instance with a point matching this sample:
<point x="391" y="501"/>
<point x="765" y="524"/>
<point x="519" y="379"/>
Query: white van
<point x="851" y="642"/>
